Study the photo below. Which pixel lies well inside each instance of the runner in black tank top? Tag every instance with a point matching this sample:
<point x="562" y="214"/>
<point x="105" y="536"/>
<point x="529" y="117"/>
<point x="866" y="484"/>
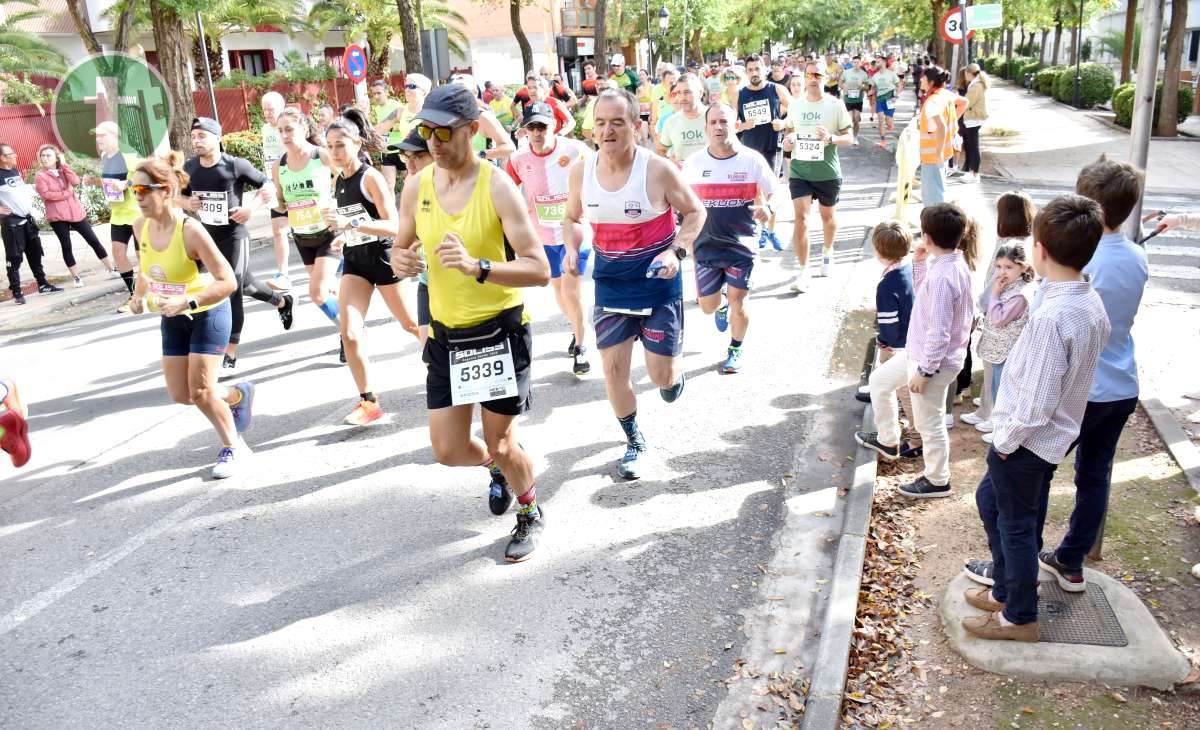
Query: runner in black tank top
<point x="365" y="224"/>
<point x="762" y="105"/>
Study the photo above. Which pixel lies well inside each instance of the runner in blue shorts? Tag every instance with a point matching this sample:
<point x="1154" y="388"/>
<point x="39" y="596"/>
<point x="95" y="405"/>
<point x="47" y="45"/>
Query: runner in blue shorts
<point x="729" y="178"/>
<point x="631" y="197"/>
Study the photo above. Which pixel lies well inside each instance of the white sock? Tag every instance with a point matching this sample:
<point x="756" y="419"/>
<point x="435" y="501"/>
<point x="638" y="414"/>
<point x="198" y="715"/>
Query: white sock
<point x="1003" y="621"/>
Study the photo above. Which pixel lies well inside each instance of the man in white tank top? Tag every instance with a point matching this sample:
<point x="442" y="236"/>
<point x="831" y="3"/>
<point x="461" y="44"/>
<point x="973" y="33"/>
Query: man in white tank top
<point x="631" y="197"/>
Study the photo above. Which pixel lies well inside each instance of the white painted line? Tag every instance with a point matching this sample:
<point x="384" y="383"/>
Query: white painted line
<point x="1158" y="271"/>
<point x="1154" y="250"/>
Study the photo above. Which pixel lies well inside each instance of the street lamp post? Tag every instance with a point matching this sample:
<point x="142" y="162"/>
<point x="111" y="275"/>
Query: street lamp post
<point x="683" y="52"/>
<point x="649" y="40"/>
<point x="664" y="19"/>
<point x="1079" y="53"/>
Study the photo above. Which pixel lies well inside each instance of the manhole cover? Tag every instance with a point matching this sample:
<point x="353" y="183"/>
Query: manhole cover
<point x="1077" y="618"/>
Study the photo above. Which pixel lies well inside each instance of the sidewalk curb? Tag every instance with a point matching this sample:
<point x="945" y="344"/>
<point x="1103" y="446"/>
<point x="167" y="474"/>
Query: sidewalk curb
<point x="1181" y="447"/>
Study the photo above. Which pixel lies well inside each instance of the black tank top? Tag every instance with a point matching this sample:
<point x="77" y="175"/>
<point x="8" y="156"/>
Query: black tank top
<point x="760" y="103"/>
<point x="352" y="199"/>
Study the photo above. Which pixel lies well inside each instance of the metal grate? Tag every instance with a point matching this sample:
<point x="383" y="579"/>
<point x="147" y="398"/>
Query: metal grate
<point x="1077" y="618"/>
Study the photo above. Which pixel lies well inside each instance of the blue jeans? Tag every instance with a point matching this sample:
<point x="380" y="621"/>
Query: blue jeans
<point x="996" y="370"/>
<point x="1010" y="500"/>
<point x="933" y="183"/>
<point x="1094" y="452"/>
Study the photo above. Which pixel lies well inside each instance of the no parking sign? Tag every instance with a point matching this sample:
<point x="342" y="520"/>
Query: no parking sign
<point x="354" y="60"/>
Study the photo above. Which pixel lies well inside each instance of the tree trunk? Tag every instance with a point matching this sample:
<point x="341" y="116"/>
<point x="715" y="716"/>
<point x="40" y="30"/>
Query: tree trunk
<point x="1131" y="9"/>
<point x="83" y="26"/>
<point x="1042" y="47"/>
<point x="1008" y="47"/>
<point x="695" y="53"/>
<point x="214" y="60"/>
<point x="941" y="48"/>
<point x="420" y="15"/>
<point x="124" y="29"/>
<point x="1075" y="45"/>
<point x="514" y="16"/>
<point x="1057" y="36"/>
<point x="1168" y="121"/>
<point x="601" y="38"/>
<point x="410" y="37"/>
<point x="170" y="41"/>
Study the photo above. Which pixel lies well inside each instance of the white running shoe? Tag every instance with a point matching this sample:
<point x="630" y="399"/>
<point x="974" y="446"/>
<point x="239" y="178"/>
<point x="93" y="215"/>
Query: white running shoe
<point x="280" y="282"/>
<point x="970" y="419"/>
<point x="978" y="402"/>
<point x="78" y="282"/>
<point x="984" y="427"/>
<point x="827" y="264"/>
<point x="800" y="284"/>
<point x="987" y="438"/>
<point x="230" y="459"/>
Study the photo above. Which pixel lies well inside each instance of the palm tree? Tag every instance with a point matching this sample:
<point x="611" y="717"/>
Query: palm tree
<point x="21" y="51"/>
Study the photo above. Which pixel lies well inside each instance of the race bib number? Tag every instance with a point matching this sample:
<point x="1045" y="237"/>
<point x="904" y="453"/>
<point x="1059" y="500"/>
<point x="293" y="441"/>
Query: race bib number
<point x="550" y="209"/>
<point x="482" y="374"/>
<point x="757" y="112"/>
<point x="808" y="150"/>
<point x="305" y="217"/>
<point x="890" y="104"/>
<point x="214" y="208"/>
<point x="353" y="236"/>
<point x="853" y="93"/>
<point x="114" y="190"/>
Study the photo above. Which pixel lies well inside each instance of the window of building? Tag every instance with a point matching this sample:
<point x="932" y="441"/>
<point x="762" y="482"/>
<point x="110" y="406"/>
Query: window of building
<point x="254" y="63"/>
<point x="579" y="14"/>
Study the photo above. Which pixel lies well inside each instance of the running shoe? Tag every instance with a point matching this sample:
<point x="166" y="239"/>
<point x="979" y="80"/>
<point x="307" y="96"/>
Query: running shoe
<point x="229" y="363"/>
<point x="77" y="282"/>
<point x="922" y="488"/>
<point x="672" y="394"/>
<point x="630" y="466"/>
<point x="978" y="402"/>
<point x="854" y="143"/>
<point x="365" y="412"/>
<point x="984" y="427"/>
<point x="500" y="496"/>
<point x="762" y="238"/>
<point x="341" y="350"/>
<point x="14" y="431"/>
<point x="987" y="439"/>
<point x="228" y="460"/>
<point x="124" y="308"/>
<point x="114" y="274"/>
<point x="827" y="264"/>
<point x="48" y="288"/>
<point x="581" y="366"/>
<point x="722" y="317"/>
<point x="285" y="312"/>
<point x="970" y="419"/>
<point x="1068" y="579"/>
<point x="19" y="299"/>
<point x="280" y="282"/>
<point x="800" y="285"/>
<point x="774" y="241"/>
<point x="733" y="360"/>
<point x="242" y="412"/>
<point x="525" y="535"/>
<point x="980" y="571"/>
<point x="870" y="440"/>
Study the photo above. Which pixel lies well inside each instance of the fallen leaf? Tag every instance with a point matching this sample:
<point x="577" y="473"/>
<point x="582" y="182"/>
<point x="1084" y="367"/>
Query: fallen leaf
<point x="1118" y="696"/>
<point x="1028" y="710"/>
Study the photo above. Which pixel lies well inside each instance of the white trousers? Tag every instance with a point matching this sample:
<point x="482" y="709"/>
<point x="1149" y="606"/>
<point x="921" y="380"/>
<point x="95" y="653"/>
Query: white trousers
<point x="928" y="412"/>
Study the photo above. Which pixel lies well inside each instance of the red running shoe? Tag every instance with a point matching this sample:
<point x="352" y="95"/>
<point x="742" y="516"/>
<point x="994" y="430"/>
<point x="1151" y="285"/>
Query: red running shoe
<point x="14" y="432"/>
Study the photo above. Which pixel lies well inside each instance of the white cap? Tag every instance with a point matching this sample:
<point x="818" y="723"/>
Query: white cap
<point x="421" y="81"/>
<point x="617" y="59"/>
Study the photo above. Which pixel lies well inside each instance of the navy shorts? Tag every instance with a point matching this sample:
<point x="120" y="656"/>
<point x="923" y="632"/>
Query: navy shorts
<point x="660" y="329"/>
<point x="556" y="255"/>
<point x="712" y="274"/>
<point x="204" y="333"/>
<point x="881" y="107"/>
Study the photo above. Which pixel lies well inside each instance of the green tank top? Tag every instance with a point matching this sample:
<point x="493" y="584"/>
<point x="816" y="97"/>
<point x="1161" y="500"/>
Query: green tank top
<point x="306" y="192"/>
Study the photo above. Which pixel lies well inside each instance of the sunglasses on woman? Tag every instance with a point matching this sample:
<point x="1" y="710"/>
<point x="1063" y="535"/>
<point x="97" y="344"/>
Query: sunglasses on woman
<point x="144" y="190"/>
<point x="410" y="87"/>
<point x="813" y="74"/>
<point x="442" y="133"/>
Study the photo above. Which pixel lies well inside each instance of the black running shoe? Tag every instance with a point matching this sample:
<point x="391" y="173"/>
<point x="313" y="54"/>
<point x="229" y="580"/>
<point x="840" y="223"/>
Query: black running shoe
<point x="862" y="397"/>
<point x="1069" y="580"/>
<point x="672" y="394"/>
<point x="980" y="571"/>
<point x="911" y="452"/>
<point x="19" y="298"/>
<point x="581" y="366"/>
<point x="500" y="496"/>
<point x="870" y="439"/>
<point x="285" y="312"/>
<point x="48" y="288"/>
<point x="922" y="488"/>
<point x="525" y="535"/>
<point x="341" y="351"/>
<point x="229" y="363"/>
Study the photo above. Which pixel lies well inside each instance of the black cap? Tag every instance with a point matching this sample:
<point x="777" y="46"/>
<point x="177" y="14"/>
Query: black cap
<point x="207" y="124"/>
<point x="412" y="143"/>
<point x="449" y="104"/>
<point x="539" y="112"/>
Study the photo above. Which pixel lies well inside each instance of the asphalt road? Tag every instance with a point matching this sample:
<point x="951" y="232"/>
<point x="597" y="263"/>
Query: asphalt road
<point x="346" y="580"/>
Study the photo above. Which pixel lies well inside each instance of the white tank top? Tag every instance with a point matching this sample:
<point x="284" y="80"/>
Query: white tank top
<point x="628" y="206"/>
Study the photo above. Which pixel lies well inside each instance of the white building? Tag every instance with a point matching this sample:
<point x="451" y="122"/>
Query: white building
<point x="1113" y="22"/>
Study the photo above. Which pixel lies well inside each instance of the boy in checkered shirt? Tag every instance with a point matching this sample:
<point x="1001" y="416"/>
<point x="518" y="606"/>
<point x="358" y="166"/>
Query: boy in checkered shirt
<point x="1043" y="393"/>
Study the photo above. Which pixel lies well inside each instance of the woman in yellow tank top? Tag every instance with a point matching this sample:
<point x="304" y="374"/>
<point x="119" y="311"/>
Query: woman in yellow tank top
<point x="185" y="279"/>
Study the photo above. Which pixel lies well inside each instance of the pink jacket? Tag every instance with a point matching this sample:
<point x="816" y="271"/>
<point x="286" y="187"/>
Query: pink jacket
<point x="58" y="192"/>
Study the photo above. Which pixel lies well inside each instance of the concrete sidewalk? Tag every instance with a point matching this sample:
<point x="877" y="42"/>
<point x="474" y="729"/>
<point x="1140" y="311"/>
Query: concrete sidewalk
<point x="1032" y="138"/>
<point x="96" y="281"/>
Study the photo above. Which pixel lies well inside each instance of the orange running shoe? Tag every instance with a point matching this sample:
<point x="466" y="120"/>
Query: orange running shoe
<point x="364" y="413"/>
<point x="14" y="432"/>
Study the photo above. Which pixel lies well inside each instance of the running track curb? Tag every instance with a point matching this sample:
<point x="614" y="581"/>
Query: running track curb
<point x="1178" y="443"/>
<point x="824" y="705"/>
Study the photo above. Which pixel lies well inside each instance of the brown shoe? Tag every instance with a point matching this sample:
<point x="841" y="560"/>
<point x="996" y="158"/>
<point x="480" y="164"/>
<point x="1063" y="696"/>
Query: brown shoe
<point x="988" y="626"/>
<point x="981" y="598"/>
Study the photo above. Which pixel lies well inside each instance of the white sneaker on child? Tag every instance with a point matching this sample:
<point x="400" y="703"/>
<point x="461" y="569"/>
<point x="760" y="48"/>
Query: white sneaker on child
<point x="970" y="419"/>
<point x="984" y="427"/>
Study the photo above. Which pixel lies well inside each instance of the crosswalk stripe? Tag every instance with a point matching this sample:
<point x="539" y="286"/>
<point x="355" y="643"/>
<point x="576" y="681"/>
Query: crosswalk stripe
<point x="1159" y="271"/>
<point x="1154" y="250"/>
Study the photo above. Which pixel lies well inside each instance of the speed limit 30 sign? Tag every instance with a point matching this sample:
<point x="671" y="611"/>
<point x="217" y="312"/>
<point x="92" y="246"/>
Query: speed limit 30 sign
<point x="951" y="27"/>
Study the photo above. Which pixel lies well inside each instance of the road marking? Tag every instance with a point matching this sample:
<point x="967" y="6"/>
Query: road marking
<point x="1158" y="271"/>
<point x="1154" y="250"/>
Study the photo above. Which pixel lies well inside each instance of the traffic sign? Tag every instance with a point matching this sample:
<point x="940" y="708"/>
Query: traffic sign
<point x="951" y="27"/>
<point x="982" y="17"/>
<point x="112" y="87"/>
<point x="355" y="62"/>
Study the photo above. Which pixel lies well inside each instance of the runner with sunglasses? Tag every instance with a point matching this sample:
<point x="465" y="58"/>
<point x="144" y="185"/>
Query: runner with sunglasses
<point x="541" y="169"/>
<point x="365" y="222"/>
<point x="397" y="122"/>
<point x="481" y="249"/>
<point x="184" y="278"/>
<point x="816" y="124"/>
<point x="304" y="188"/>
<point x="215" y="192"/>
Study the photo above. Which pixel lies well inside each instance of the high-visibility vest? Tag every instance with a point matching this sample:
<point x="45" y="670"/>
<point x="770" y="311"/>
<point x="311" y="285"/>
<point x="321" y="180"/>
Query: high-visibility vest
<point x="936" y="149"/>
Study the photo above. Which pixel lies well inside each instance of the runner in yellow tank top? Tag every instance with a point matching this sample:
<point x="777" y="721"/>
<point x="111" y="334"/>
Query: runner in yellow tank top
<point x="480" y="345"/>
<point x="185" y="278"/>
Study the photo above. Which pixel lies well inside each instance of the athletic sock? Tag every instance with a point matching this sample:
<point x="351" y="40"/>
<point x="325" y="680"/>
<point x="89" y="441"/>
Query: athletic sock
<point x="330" y="308"/>
<point x="734" y="343"/>
<point x="528" y="503"/>
<point x="368" y="396"/>
<point x="127" y="277"/>
<point x="494" y="469"/>
<point x="629" y="425"/>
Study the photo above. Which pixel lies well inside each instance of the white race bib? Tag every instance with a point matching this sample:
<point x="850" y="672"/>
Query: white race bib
<point x="757" y="112"/>
<point x="114" y="190"/>
<point x="214" y="208"/>
<point x="482" y="374"/>
<point x="853" y="93"/>
<point x="890" y="103"/>
<point x="808" y="149"/>
<point x="353" y="236"/>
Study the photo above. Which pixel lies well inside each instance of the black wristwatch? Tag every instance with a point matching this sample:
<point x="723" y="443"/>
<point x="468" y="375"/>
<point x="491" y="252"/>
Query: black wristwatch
<point x="926" y="374"/>
<point x="680" y="252"/>
<point x="485" y="268"/>
<point x="483" y="154"/>
<point x="193" y="304"/>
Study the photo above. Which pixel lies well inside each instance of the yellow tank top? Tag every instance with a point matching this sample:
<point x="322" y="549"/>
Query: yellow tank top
<point x="171" y="272"/>
<point x="455" y="299"/>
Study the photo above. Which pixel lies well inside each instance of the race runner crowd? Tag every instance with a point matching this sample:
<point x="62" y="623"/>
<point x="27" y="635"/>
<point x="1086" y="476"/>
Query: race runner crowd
<point x="495" y="196"/>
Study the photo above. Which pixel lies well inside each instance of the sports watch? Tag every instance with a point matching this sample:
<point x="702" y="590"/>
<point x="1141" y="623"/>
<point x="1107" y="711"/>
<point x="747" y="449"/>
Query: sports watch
<point x="193" y="305"/>
<point x="485" y="268"/>
<point x="680" y="252"/>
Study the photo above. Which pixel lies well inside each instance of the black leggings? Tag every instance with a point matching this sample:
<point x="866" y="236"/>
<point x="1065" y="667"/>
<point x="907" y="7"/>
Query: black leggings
<point x="63" y="229"/>
<point x="237" y="252"/>
<point x="970" y="137"/>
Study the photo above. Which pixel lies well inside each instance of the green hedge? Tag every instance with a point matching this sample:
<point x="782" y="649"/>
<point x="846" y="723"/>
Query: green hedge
<point x="1044" y="81"/>
<point x="1013" y="69"/>
<point x="245" y="144"/>
<point x="1124" y="97"/>
<point x="992" y="64"/>
<point x="1029" y="68"/>
<point x="1096" y="85"/>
